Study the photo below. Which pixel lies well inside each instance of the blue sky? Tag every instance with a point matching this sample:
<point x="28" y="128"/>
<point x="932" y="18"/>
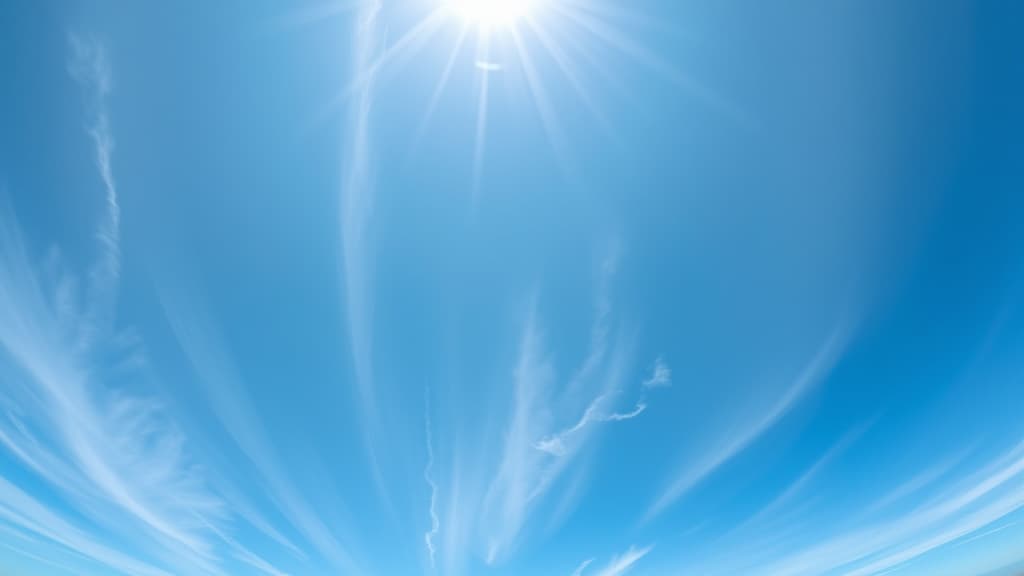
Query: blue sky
<point x="387" y="287"/>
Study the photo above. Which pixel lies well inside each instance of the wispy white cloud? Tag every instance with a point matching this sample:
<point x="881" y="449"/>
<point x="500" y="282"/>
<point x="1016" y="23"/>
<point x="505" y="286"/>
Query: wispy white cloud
<point x="435" y="523"/>
<point x="536" y="452"/>
<point x="357" y="195"/>
<point x="583" y="566"/>
<point x="620" y="416"/>
<point x="661" y="375"/>
<point x="812" y="373"/>
<point x="24" y="553"/>
<point x="520" y="474"/>
<point x="624" y="562"/>
<point x="29" y="516"/>
<point x="247" y="556"/>
<point x="90" y="66"/>
<point x="235" y="411"/>
<point x="978" y="500"/>
<point x="597" y="351"/>
<point x="796" y="491"/>
<point x="526" y="470"/>
<point x="556" y="444"/>
<point x="915" y="483"/>
<point x="964" y="526"/>
<point x="116" y="456"/>
<point x="985" y="533"/>
<point x="356" y="219"/>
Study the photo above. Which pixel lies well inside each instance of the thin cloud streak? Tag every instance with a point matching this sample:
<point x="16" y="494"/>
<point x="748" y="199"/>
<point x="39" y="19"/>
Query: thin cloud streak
<point x="536" y="453"/>
<point x="525" y="474"/>
<point x="116" y="457"/>
<point x="916" y="483"/>
<point x="812" y="373"/>
<point x="29" y="516"/>
<point x="624" y="562"/>
<point x="248" y="557"/>
<point x="620" y="416"/>
<point x="510" y="495"/>
<point x="435" y="523"/>
<point x="982" y="498"/>
<point x="357" y="209"/>
<point x="555" y="444"/>
<point x="799" y="486"/>
<point x="356" y="215"/>
<point x="90" y="67"/>
<point x="968" y="525"/>
<point x="226" y="393"/>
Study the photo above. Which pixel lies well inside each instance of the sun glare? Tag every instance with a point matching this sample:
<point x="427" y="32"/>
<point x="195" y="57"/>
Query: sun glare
<point x="492" y="12"/>
<point x="518" y="45"/>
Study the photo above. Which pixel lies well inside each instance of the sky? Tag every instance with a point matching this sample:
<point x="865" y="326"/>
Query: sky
<point x="470" y="287"/>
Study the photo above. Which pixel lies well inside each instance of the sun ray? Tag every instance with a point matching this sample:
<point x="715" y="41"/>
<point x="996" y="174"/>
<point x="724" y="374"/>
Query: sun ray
<point x="568" y="69"/>
<point x="491" y="13"/>
<point x="309" y="15"/>
<point x="612" y="37"/>
<point x="540" y="101"/>
<point x="573" y="44"/>
<point x="408" y="42"/>
<point x="615" y="39"/>
<point x="573" y="39"/>
<point x="617" y="13"/>
<point x="483" y="47"/>
<point x="413" y="38"/>
<point x="435" y="97"/>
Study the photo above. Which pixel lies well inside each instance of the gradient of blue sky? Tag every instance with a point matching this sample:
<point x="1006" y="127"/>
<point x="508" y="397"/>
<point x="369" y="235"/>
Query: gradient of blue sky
<point x="660" y="287"/>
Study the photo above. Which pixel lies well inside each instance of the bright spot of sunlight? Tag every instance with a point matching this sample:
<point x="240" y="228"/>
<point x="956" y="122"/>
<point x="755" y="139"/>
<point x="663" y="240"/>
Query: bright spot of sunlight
<point x="492" y="12"/>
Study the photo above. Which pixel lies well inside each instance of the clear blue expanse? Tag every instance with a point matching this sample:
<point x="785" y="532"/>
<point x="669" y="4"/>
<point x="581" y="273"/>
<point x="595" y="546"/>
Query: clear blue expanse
<point x="581" y="288"/>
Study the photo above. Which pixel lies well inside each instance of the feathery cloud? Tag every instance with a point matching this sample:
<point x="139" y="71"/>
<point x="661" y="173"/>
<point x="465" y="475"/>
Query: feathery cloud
<point x="536" y="453"/>
<point x="90" y="67"/>
<point x="28" y="516"/>
<point x="521" y="474"/>
<point x="556" y="444"/>
<point x="357" y="196"/>
<point x="812" y="373"/>
<point x="624" y="562"/>
<point x="225" y="390"/>
<point x="435" y="523"/>
<point x="979" y="499"/>
<point x="583" y="566"/>
<point x="661" y="375"/>
<point x="116" y="457"/>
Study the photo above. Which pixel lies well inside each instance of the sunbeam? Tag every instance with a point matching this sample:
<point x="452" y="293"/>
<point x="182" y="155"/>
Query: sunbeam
<point x="404" y="47"/>
<point x="442" y="82"/>
<point x="567" y="67"/>
<point x="601" y="29"/>
<point x="538" y="42"/>
<point x="488" y="13"/>
<point x="483" y="49"/>
<point x="540" y="99"/>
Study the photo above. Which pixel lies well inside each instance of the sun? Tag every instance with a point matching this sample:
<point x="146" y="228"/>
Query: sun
<point x="490" y="13"/>
<point x="531" y="48"/>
